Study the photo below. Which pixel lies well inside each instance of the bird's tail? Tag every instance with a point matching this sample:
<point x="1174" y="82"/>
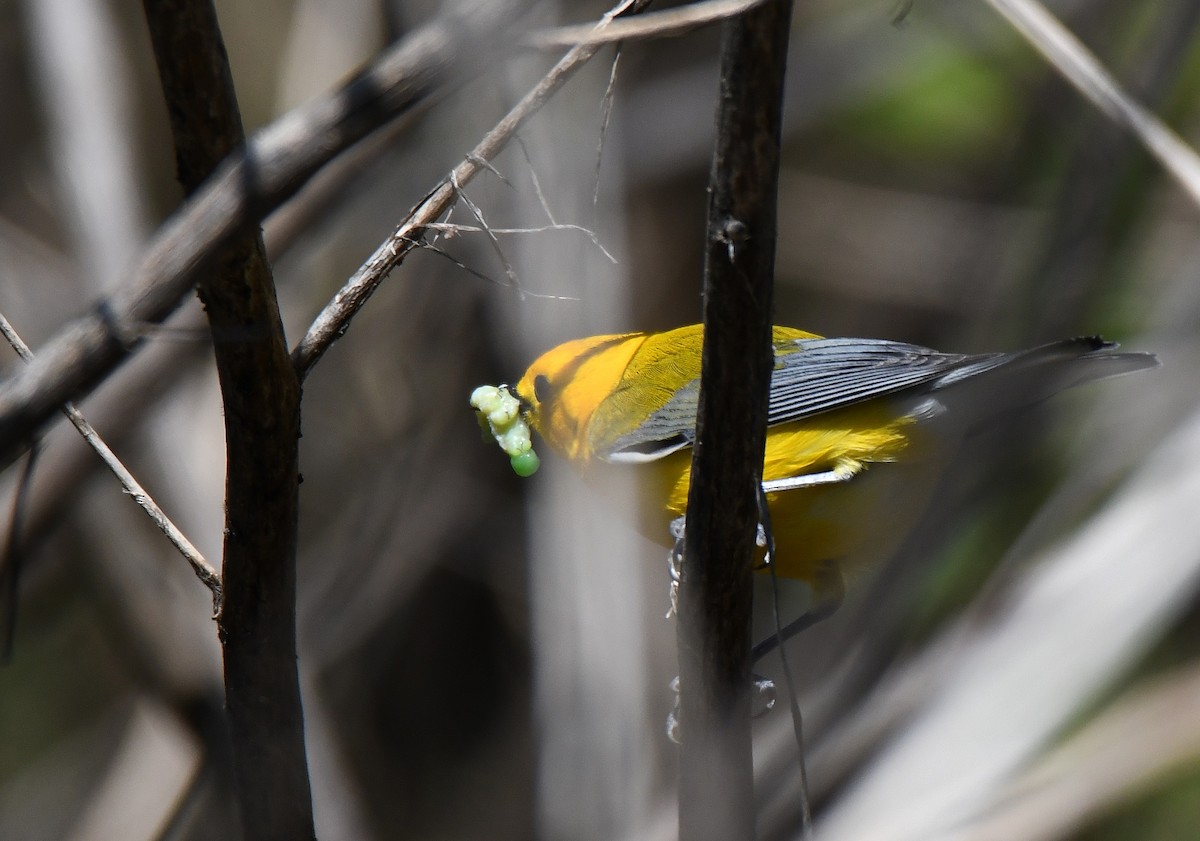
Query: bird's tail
<point x="1025" y="378"/>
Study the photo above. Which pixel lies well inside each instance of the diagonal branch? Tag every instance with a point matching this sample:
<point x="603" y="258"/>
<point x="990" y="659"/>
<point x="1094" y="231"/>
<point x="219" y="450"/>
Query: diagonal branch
<point x="666" y="23"/>
<point x="241" y="191"/>
<point x="333" y="321"/>
<point x="203" y="569"/>
<point x="1082" y="69"/>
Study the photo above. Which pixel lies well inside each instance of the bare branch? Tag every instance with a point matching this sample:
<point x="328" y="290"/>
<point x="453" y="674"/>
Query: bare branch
<point x="203" y="569"/>
<point x="605" y="116"/>
<point x="333" y="321"/>
<point x="477" y="212"/>
<point x="715" y="592"/>
<point x="540" y="229"/>
<point x="955" y="756"/>
<point x="260" y="397"/>
<point x="1079" y="67"/>
<point x="537" y="183"/>
<point x="664" y="24"/>
<point x="248" y="185"/>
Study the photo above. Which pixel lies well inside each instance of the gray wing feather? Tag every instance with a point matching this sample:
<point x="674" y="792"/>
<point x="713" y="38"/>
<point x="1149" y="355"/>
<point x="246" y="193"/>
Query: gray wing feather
<point x="827" y="374"/>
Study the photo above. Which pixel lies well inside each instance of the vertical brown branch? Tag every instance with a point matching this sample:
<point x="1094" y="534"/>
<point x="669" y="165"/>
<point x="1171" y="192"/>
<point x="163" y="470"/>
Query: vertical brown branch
<point x="716" y="779"/>
<point x="261" y="397"/>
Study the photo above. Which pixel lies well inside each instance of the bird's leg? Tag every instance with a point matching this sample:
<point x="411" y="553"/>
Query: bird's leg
<point x="765" y="536"/>
<point x="843" y="471"/>
<point x="764" y="688"/>
<point x="829" y="589"/>
<point x="675" y="563"/>
<point x="675" y="571"/>
<point x="829" y="586"/>
<point x="674" y="731"/>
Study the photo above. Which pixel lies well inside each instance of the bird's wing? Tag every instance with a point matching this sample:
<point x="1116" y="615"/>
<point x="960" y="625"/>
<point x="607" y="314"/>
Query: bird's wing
<point x="819" y="375"/>
<point x="814" y="376"/>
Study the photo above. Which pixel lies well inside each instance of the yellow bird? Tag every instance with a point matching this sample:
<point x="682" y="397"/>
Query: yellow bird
<point x="858" y="429"/>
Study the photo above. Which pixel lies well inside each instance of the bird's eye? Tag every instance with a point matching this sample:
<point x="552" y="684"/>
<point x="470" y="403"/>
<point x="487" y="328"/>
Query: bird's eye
<point x="541" y="387"/>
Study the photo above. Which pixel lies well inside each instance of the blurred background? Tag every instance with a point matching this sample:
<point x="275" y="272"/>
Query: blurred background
<point x="486" y="657"/>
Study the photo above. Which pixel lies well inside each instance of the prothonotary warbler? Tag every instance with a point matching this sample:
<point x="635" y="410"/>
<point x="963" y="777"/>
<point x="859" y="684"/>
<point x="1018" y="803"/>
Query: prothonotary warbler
<point x="858" y="429"/>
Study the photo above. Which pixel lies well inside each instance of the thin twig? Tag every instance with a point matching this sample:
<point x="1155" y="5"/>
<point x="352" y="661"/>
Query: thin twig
<point x="491" y="167"/>
<point x="333" y="321"/>
<point x="1079" y="67"/>
<point x="200" y="566"/>
<point x="477" y="212"/>
<point x="606" y="108"/>
<point x="533" y="177"/>
<point x="665" y="24"/>
<point x="427" y="245"/>
<point x="539" y="229"/>
<point x="268" y="170"/>
<point x="764" y="513"/>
